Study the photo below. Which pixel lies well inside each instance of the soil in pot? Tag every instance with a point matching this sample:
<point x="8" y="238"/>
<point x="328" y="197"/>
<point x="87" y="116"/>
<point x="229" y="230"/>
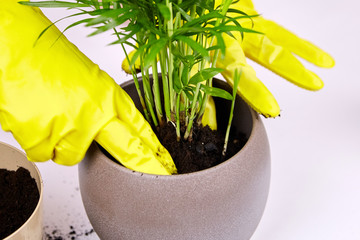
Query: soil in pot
<point x="203" y="151"/>
<point x="19" y="197"/>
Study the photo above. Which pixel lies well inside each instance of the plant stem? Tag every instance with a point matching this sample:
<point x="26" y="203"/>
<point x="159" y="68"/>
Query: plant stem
<point x="193" y="110"/>
<point x="178" y="132"/>
<point x="223" y="11"/>
<point x="170" y="57"/>
<point x="165" y="82"/>
<point x="228" y="127"/>
<point x="178" y="17"/>
<point x="236" y="84"/>
<point x="148" y="94"/>
<point x="136" y="82"/>
<point x="156" y="90"/>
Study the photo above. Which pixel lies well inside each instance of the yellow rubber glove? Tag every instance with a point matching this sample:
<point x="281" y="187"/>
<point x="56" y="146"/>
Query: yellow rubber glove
<point x="55" y="101"/>
<point x="125" y="65"/>
<point x="274" y="50"/>
<point x="250" y="88"/>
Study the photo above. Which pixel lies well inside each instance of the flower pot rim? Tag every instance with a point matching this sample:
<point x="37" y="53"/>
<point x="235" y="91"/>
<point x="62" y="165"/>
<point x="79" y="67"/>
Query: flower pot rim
<point x="40" y="188"/>
<point x="255" y="126"/>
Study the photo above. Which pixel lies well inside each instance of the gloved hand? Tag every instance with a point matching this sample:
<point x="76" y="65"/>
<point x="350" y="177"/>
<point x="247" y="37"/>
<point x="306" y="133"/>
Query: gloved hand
<point x="250" y="88"/>
<point x="55" y="101"/>
<point x="273" y="50"/>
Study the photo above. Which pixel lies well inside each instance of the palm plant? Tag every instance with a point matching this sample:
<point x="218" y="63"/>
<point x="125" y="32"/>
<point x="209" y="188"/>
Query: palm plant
<point x="180" y="39"/>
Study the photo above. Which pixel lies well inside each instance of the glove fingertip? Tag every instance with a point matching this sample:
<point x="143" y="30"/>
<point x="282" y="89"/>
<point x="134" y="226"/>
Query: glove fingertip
<point x="34" y="160"/>
<point x="67" y="154"/>
<point x="272" y="110"/>
<point x="326" y="61"/>
<point x="67" y="159"/>
<point x="310" y="81"/>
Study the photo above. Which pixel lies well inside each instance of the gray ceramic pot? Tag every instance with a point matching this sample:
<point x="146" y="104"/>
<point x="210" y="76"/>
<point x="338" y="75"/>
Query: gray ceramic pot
<point x="224" y="202"/>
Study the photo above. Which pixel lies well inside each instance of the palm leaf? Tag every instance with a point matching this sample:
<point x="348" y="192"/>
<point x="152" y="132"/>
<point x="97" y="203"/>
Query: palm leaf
<point x="204" y="75"/>
<point x="194" y="45"/>
<point x="155" y="49"/>
<point x="54" y="4"/>
<point x="216" y="92"/>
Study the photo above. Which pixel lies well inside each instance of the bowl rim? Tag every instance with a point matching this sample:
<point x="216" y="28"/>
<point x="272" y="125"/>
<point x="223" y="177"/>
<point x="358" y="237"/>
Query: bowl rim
<point x="40" y="185"/>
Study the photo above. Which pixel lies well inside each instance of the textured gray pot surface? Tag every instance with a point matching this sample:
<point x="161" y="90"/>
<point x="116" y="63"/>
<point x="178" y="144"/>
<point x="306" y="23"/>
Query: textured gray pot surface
<point x="224" y="202"/>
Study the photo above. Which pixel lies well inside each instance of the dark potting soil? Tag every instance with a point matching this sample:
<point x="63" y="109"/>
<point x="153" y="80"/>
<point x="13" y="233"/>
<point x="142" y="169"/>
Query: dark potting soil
<point x="203" y="151"/>
<point x="19" y="196"/>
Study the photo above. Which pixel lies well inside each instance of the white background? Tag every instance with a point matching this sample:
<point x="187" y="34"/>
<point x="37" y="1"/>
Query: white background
<point x="315" y="144"/>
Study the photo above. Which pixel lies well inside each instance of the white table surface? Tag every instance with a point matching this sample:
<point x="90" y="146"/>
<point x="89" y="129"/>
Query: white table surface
<point x="315" y="144"/>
